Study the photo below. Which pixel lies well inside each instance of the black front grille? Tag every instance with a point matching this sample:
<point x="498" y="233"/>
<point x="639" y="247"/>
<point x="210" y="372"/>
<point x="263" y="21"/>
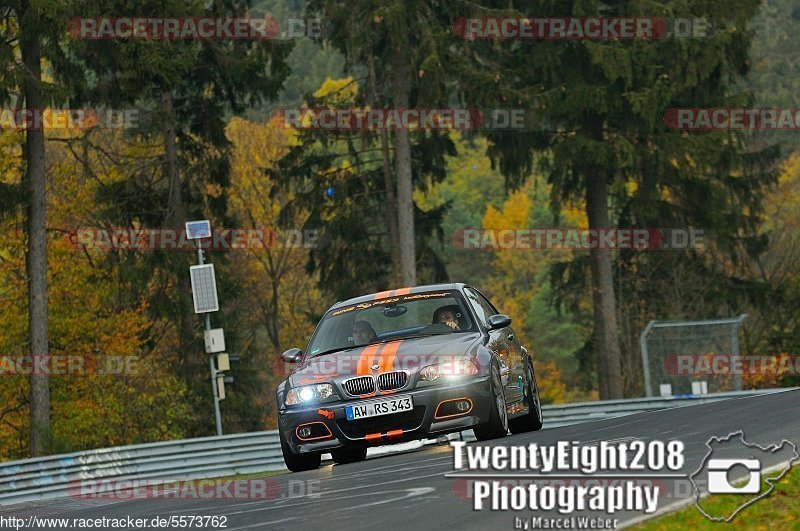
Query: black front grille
<point x="360" y="386"/>
<point x="392" y="380"/>
<point x="407" y="420"/>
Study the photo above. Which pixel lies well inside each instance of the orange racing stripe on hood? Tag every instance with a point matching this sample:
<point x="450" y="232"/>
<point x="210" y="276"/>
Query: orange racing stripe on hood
<point x="388" y="354"/>
<point x="367" y="355"/>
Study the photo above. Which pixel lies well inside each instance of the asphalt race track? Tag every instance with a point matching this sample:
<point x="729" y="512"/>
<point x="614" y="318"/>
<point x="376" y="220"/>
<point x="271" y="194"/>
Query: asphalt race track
<point x="411" y="491"/>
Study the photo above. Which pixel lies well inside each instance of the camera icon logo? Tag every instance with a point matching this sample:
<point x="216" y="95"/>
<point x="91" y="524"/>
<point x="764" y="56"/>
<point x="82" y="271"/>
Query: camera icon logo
<point x="748" y="470"/>
<point x="718" y="482"/>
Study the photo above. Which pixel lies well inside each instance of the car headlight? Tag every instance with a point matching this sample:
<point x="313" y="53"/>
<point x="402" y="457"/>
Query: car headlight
<point x="448" y="369"/>
<point x="308" y="394"/>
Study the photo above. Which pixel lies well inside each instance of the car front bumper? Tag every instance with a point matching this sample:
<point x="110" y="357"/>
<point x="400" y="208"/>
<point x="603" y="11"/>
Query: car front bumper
<point x="427" y="418"/>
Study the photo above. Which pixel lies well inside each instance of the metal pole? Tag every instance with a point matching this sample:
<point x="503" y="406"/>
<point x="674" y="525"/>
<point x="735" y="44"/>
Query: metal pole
<point x="207" y="320"/>
<point x="737" y="375"/>
<point x="646" y="357"/>
<point x="217" y="416"/>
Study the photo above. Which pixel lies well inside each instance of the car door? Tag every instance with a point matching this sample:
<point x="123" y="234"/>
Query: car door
<point x="504" y="342"/>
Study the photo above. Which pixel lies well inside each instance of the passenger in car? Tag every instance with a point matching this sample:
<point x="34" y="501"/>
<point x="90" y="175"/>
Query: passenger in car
<point x="363" y="333"/>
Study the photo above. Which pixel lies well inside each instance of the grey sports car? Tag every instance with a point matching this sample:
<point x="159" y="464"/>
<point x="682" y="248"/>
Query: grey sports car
<point x="405" y="364"/>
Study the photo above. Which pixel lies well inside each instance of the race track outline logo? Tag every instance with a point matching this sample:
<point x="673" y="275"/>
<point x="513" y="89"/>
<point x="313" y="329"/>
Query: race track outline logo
<point x="717" y="470"/>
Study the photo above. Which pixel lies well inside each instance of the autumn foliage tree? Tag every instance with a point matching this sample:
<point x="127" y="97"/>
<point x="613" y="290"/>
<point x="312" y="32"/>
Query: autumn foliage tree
<point x="279" y="302"/>
<point x="122" y="387"/>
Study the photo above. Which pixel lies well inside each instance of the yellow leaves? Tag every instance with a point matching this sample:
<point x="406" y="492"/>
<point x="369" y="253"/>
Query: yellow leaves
<point x="781" y="203"/>
<point x="551" y="389"/>
<point x="212" y="190"/>
<point x="263" y="272"/>
<point x="514" y="215"/>
<point x="781" y="365"/>
<point x="782" y="221"/>
<point x="574" y="215"/>
<point x="511" y="287"/>
<point x="790" y="170"/>
<point x="512" y="263"/>
<point x="258" y="146"/>
<point x="11" y="159"/>
<point x="337" y="91"/>
<point x="91" y="317"/>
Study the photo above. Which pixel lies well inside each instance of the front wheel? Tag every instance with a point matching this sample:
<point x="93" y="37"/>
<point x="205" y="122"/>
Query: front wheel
<point x="531" y="421"/>
<point x="497" y="425"/>
<point x="298" y="462"/>
<point x="343" y="456"/>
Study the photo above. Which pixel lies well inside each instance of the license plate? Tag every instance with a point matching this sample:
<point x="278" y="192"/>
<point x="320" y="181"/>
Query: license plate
<point x="378" y="408"/>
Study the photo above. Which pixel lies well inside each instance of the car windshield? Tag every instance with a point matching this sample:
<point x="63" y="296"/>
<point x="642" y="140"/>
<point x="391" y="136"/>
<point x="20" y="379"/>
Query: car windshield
<point x="401" y="317"/>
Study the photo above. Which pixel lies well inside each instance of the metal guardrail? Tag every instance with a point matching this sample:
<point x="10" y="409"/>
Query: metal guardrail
<point x="565" y="414"/>
<point x="59" y="476"/>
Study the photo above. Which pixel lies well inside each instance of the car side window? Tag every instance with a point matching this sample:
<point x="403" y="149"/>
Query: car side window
<point x="482" y="307"/>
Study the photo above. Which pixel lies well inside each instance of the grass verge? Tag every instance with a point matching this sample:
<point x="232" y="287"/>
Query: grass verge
<point x="779" y="510"/>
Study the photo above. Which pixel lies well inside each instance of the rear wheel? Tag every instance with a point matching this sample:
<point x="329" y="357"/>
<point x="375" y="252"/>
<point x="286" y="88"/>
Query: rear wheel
<point x="532" y="421"/>
<point x="497" y="425"/>
<point x="298" y="462"/>
<point x="348" y="455"/>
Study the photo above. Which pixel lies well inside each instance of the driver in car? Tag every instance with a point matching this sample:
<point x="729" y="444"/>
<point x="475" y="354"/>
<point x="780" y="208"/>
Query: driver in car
<point x="447" y="315"/>
<point x="363" y="333"/>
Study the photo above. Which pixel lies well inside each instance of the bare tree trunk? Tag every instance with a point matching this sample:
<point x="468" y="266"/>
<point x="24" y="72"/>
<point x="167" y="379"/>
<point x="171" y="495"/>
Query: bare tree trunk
<point x="274" y="325"/>
<point x="36" y="259"/>
<point x="405" y="187"/>
<point x="175" y="219"/>
<point x="606" y="341"/>
<point x="388" y="179"/>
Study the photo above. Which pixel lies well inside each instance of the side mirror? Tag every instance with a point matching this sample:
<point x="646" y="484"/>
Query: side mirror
<point x="499" y="321"/>
<point x="293" y="355"/>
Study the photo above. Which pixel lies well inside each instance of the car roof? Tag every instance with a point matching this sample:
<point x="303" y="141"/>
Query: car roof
<point x="403" y="291"/>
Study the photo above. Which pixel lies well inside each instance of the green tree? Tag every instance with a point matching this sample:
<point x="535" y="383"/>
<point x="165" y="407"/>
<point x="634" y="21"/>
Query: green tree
<point x="404" y="48"/>
<point x="338" y="177"/>
<point x="775" y="73"/>
<point x="33" y="32"/>
<point x="601" y="106"/>
<point x="185" y="90"/>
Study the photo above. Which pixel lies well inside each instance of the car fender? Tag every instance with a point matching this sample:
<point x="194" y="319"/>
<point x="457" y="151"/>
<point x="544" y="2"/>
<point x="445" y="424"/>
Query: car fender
<point x="280" y="392"/>
<point x="484" y="357"/>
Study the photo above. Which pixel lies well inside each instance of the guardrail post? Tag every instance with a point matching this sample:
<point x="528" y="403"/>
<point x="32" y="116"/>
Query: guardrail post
<point x="646" y="357"/>
<point x="737" y="375"/>
<point x="217" y="416"/>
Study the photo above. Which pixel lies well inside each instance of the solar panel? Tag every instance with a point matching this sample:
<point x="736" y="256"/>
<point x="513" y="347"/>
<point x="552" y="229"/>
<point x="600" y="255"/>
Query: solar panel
<point x="204" y="288"/>
<point x="198" y="229"/>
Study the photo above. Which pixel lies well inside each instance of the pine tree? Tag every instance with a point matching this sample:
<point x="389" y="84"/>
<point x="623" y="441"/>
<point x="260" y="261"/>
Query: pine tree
<point x="601" y="133"/>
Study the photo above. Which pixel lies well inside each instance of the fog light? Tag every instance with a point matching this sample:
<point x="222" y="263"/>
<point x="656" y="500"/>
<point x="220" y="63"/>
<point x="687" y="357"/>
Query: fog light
<point x="304" y="432"/>
<point x="462" y="406"/>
